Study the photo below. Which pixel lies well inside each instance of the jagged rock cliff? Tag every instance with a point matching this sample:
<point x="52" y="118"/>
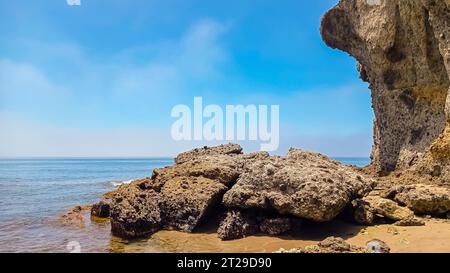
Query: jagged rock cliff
<point x="403" y="50"/>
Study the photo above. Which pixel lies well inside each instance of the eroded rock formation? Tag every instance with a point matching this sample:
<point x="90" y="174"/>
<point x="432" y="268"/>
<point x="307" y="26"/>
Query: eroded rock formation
<point x="259" y="193"/>
<point x="279" y="190"/>
<point x="403" y="50"/>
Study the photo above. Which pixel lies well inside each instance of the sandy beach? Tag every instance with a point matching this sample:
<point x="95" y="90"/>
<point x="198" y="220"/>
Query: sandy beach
<point x="431" y="238"/>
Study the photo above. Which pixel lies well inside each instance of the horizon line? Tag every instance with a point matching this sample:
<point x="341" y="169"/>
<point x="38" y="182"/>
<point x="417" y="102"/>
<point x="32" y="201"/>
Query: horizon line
<point x="135" y="157"/>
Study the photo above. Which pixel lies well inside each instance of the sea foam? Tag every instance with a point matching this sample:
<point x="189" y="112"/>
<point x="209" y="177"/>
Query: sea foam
<point x="118" y="183"/>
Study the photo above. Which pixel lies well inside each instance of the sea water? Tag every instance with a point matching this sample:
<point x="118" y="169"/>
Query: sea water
<point x="33" y="192"/>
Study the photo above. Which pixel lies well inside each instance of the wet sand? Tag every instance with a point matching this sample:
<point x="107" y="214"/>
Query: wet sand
<point x="434" y="237"/>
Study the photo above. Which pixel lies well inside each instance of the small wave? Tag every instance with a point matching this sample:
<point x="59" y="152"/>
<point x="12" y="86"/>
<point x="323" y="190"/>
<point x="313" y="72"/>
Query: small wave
<point x="118" y="183"/>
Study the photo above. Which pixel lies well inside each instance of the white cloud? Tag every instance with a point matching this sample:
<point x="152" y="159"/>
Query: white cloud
<point x="21" y="79"/>
<point x="196" y="55"/>
<point x="166" y="66"/>
<point x="201" y="51"/>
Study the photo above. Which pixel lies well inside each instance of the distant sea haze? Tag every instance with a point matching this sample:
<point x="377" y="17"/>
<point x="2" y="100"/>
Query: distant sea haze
<point x="33" y="192"/>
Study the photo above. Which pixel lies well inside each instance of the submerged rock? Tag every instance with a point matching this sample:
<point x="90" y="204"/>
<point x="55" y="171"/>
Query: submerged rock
<point x="74" y="216"/>
<point x="303" y="184"/>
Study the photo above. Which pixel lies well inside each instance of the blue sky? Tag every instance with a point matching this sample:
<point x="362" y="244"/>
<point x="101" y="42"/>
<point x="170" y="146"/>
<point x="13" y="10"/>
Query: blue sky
<point x="100" y="79"/>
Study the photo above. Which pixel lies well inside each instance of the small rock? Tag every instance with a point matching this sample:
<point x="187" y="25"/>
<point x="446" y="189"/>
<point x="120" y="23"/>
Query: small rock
<point x="413" y="221"/>
<point x="329" y="245"/>
<point x="75" y="216"/>
<point x="388" y="208"/>
<point x="335" y="244"/>
<point x="393" y="231"/>
<point x="363" y="214"/>
<point x="377" y="246"/>
<point x="236" y="225"/>
<point x="437" y="171"/>
<point x="339" y="245"/>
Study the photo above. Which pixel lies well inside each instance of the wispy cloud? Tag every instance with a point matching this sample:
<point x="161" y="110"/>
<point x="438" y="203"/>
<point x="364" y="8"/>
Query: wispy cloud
<point x="61" y="97"/>
<point x="133" y="78"/>
<point x="22" y="79"/>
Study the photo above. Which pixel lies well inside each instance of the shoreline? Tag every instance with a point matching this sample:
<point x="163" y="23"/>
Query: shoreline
<point x="430" y="238"/>
<point x="261" y="196"/>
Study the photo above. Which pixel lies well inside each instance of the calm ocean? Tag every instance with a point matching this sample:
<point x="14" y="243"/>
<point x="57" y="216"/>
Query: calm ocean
<point x="33" y="192"/>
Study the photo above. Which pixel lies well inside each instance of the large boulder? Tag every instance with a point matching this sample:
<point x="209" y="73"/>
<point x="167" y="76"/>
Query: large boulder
<point x="139" y="210"/>
<point x="303" y="184"/>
